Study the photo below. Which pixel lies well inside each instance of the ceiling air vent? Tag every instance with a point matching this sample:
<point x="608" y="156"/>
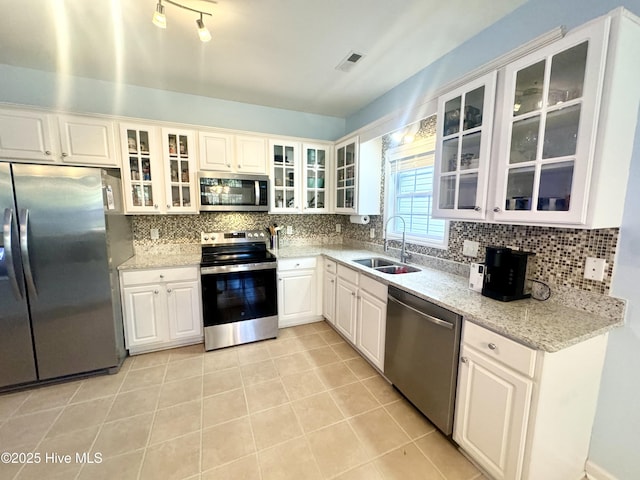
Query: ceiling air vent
<point x="349" y="61"/>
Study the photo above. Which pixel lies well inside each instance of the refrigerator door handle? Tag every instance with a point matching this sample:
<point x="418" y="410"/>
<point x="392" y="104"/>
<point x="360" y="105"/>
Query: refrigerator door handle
<point x="24" y="246"/>
<point x="7" y="233"/>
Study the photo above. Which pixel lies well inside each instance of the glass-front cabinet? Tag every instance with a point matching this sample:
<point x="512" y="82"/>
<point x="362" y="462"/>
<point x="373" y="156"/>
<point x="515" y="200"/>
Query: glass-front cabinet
<point x="346" y="162"/>
<point x="179" y="170"/>
<point x="285" y="176"/>
<point x="315" y="162"/>
<point x="141" y="169"/>
<point x="463" y="146"/>
<point x="549" y="128"/>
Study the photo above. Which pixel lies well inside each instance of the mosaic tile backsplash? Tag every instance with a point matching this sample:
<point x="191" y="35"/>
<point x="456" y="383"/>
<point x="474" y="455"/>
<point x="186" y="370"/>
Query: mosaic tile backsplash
<point x="560" y="252"/>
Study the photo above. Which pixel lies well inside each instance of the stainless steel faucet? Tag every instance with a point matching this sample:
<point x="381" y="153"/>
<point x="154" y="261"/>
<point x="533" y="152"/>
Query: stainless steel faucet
<point x="404" y="255"/>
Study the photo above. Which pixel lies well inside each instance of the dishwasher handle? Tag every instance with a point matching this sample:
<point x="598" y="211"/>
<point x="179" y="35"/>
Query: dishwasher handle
<point x="429" y="318"/>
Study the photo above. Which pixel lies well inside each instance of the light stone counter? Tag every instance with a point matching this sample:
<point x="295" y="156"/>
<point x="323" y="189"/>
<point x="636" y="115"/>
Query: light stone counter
<point x="145" y="261"/>
<point x="547" y="326"/>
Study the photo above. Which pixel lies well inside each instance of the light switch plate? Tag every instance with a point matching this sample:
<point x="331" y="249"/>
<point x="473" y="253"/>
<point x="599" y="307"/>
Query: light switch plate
<point x="155" y="234"/>
<point x="338" y="228"/>
<point x="372" y="233"/>
<point x="470" y="248"/>
<point x="594" y="269"/>
<point x="289" y="230"/>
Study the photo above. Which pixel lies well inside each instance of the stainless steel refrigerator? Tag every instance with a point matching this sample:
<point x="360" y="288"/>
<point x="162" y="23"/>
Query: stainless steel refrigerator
<point x="63" y="236"/>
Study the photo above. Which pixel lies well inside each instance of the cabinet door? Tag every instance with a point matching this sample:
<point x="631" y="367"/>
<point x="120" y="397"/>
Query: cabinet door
<point x="216" y="151"/>
<point x="549" y="122"/>
<point x="179" y="170"/>
<point x="329" y="297"/>
<point x="463" y="146"/>
<point x="26" y="135"/>
<point x="371" y="327"/>
<point x="346" y="305"/>
<point x="87" y="141"/>
<point x="251" y="154"/>
<point x="315" y="160"/>
<point x="346" y="165"/>
<point x="296" y="296"/>
<point x="141" y="169"/>
<point x="184" y="312"/>
<point x="492" y="409"/>
<point x="144" y="315"/>
<point x="285" y="177"/>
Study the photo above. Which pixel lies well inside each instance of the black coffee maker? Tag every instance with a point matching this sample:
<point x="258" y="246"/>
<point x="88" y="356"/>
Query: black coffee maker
<point x="506" y="274"/>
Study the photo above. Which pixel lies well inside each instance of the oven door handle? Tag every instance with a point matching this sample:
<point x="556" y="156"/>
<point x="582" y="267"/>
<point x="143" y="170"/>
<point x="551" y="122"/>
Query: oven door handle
<point x="245" y="267"/>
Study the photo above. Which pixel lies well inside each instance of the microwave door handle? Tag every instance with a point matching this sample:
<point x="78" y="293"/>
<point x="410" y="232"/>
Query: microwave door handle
<point x="7" y="234"/>
<point x="256" y="186"/>
<point x="24" y="247"/>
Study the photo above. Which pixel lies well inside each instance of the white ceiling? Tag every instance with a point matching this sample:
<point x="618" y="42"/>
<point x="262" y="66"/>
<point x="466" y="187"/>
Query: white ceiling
<point x="278" y="53"/>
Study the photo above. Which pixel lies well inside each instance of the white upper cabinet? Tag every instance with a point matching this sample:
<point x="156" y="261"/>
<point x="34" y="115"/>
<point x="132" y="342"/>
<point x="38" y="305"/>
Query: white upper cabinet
<point x="87" y="141"/>
<point x="463" y="148"/>
<point x="357" y="174"/>
<point x="251" y="154"/>
<point x="224" y="152"/>
<point x="179" y="170"/>
<point x="285" y="176"/>
<point x="315" y="177"/>
<point x="549" y="121"/>
<point x="32" y="135"/>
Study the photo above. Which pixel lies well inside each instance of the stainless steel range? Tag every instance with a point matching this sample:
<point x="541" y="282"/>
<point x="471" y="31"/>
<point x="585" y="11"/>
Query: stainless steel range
<point x="239" y="288"/>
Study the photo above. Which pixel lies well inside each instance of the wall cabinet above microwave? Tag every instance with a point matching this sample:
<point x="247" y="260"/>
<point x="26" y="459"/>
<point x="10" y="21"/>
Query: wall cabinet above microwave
<point x="224" y="152"/>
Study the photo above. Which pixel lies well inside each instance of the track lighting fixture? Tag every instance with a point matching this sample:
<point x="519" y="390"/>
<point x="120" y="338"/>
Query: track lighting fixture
<point x="160" y="20"/>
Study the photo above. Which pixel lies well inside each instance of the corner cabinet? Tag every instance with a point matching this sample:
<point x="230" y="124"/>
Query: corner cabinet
<point x="463" y="148"/>
<point x="523" y="413"/>
<point x="357" y="174"/>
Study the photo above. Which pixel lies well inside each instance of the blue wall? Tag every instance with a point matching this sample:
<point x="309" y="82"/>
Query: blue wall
<point x="84" y="95"/>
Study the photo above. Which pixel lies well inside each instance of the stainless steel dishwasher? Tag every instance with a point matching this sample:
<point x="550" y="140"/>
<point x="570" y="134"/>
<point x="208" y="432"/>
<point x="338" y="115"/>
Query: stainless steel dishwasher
<point x="421" y="355"/>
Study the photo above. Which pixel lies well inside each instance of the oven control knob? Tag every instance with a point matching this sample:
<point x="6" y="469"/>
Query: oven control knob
<point x="206" y="238"/>
<point x="262" y="234"/>
<point x="249" y="235"/>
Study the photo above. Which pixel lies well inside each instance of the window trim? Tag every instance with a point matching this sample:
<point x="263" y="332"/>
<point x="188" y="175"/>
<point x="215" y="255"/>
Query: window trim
<point x="395" y="154"/>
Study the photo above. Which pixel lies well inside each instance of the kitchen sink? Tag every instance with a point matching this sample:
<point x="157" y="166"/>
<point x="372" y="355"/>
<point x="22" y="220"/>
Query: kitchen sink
<point x="383" y="265"/>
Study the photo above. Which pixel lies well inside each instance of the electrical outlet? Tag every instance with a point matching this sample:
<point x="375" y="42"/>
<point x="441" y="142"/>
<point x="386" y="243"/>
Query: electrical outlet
<point x="289" y="230"/>
<point x="155" y="234"/>
<point x="594" y="269"/>
<point x="470" y="248"/>
<point x="372" y="233"/>
<point x="338" y="228"/>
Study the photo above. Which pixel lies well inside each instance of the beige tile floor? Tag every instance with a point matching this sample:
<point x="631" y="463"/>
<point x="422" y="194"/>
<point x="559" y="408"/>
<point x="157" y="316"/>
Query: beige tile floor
<point x="303" y="406"/>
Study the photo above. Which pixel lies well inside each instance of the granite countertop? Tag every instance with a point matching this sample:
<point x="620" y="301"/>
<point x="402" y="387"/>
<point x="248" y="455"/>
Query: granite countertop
<point x="150" y="260"/>
<point x="547" y="326"/>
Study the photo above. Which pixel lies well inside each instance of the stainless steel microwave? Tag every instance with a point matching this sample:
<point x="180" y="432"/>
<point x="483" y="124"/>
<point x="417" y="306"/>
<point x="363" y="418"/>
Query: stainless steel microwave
<point x="230" y="192"/>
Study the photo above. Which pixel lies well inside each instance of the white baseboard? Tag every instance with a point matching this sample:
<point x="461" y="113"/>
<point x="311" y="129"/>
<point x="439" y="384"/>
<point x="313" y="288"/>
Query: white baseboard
<point x="595" y="472"/>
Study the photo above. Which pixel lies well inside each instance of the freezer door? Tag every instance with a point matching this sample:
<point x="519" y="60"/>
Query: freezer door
<point x="64" y="253"/>
<point x="17" y="364"/>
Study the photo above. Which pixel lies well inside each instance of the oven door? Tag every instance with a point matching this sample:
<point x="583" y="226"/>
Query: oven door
<point x="238" y="293"/>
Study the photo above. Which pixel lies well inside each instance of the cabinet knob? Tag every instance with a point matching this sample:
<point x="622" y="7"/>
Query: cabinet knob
<point x="168" y="206"/>
<point x="297" y="265"/>
<point x="280" y="279"/>
<point x="155" y="206"/>
<point x="497" y="209"/>
<point x="65" y="154"/>
<point x="353" y="294"/>
<point x="161" y="276"/>
<point x="477" y="209"/>
<point x="331" y="281"/>
<point x="48" y="152"/>
<point x="239" y="166"/>
<point x="492" y="346"/>
<point x="156" y="292"/>
<point x="168" y="290"/>
<point x="464" y="359"/>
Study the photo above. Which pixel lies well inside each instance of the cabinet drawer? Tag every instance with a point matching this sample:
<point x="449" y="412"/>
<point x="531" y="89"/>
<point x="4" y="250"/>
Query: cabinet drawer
<point x="348" y="274"/>
<point x="140" y="277"/>
<point x="296" y="263"/>
<point x="512" y="354"/>
<point x="374" y="287"/>
<point x="330" y="266"/>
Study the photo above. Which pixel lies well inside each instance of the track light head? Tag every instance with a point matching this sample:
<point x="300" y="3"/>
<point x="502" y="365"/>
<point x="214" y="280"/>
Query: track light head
<point x="203" y="31"/>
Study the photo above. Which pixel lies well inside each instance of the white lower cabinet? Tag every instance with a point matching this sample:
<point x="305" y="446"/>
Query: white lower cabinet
<point x="329" y="280"/>
<point x="361" y="313"/>
<point x="526" y="414"/>
<point x="298" y="293"/>
<point x="161" y="307"/>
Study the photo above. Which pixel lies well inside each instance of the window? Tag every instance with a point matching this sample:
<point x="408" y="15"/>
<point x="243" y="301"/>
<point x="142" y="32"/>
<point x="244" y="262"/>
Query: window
<point x="409" y="195"/>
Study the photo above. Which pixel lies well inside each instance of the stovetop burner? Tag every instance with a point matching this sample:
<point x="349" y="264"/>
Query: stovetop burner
<point x="234" y="248"/>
